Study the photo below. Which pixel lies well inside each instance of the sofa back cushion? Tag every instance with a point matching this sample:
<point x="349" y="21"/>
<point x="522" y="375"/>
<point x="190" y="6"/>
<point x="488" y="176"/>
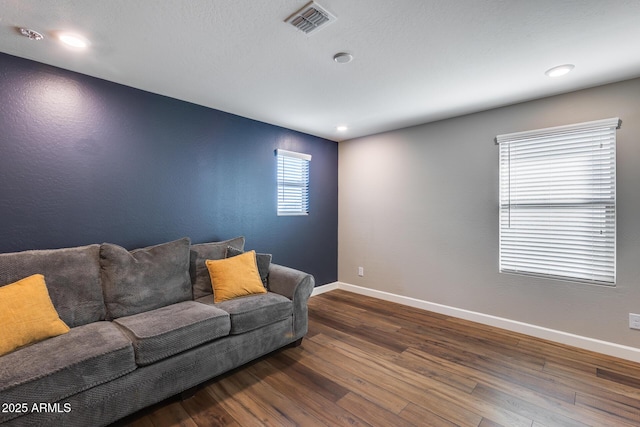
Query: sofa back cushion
<point x="144" y="279"/>
<point x="72" y="276"/>
<point x="200" y="253"/>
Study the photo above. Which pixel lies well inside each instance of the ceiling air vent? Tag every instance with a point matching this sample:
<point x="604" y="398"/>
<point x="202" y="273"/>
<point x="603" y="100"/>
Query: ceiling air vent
<point x="311" y="18"/>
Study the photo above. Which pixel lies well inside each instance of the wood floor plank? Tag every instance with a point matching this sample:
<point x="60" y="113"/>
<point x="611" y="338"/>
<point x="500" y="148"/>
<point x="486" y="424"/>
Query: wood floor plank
<point x="414" y="318"/>
<point x="524" y="408"/>
<point x="287" y="408"/>
<point x="396" y="370"/>
<point x="364" y="332"/>
<point x="314" y="402"/>
<point x="458" y="410"/>
<point x="617" y="377"/>
<point x="340" y="371"/>
<point x="367" y="362"/>
<point x="460" y="347"/>
<point x="575" y="357"/>
<point x="607" y="406"/>
<point x="418" y="394"/>
<point x="545" y="401"/>
<point x="399" y="381"/>
<point x="365" y="344"/>
<point x="204" y="410"/>
<point x="172" y="415"/>
<point x="238" y="404"/>
<point x="510" y="372"/>
<point x="371" y="412"/>
<point x="360" y="317"/>
<point x="417" y="415"/>
<point x="143" y="421"/>
<point x="594" y="385"/>
<point x="488" y="423"/>
<point x="259" y="401"/>
<point x="484" y="342"/>
<point x="417" y="366"/>
<point x="308" y="378"/>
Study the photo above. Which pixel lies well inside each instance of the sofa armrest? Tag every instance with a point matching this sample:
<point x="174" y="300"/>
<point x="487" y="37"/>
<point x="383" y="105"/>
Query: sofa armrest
<point x="297" y="286"/>
<point x="290" y="283"/>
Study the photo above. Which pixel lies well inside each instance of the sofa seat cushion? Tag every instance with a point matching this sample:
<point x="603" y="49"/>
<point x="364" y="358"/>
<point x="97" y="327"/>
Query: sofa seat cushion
<point x="169" y="330"/>
<point x="59" y="367"/>
<point x="253" y="311"/>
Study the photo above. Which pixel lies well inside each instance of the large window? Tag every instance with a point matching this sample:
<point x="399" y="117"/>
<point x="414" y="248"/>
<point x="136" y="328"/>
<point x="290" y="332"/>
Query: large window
<point x="293" y="182"/>
<point x="558" y="202"/>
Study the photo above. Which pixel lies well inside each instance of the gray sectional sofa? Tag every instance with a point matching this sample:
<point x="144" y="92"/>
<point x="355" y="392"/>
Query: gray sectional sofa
<point x="144" y="327"/>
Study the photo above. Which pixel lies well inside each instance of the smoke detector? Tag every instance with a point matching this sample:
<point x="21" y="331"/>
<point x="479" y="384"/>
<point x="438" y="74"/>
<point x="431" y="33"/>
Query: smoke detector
<point x="311" y="18"/>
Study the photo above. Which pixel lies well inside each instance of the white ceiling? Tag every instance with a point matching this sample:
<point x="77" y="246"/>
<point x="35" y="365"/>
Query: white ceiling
<point x="415" y="60"/>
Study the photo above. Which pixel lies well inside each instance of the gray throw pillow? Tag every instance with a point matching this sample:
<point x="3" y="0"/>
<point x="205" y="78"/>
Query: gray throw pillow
<point x="72" y="276"/>
<point x="144" y="279"/>
<point x="200" y="252"/>
<point x="263" y="261"/>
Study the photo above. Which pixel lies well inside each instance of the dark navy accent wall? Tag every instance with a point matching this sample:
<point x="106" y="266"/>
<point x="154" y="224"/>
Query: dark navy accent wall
<point x="83" y="160"/>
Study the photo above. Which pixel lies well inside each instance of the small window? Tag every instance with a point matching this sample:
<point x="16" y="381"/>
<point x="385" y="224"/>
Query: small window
<point x="293" y="182"/>
<point x="558" y="202"/>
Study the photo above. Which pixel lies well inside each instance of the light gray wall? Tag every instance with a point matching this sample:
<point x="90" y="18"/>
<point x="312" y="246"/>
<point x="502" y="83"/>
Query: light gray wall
<point x="418" y="209"/>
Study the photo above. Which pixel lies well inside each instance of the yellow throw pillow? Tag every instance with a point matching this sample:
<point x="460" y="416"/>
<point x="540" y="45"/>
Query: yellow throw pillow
<point x="27" y="314"/>
<point x="235" y="277"/>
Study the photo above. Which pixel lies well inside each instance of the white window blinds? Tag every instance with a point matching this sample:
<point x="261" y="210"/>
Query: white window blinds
<point x="558" y="202"/>
<point x="293" y="182"/>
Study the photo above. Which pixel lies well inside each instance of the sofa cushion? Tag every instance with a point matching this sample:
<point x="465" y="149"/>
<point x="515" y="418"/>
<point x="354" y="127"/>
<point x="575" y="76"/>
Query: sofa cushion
<point x="52" y="370"/>
<point x="254" y="311"/>
<point x="72" y="275"/>
<point x="198" y="270"/>
<point x="169" y="330"/>
<point x="144" y="279"/>
<point x="235" y="277"/>
<point x="263" y="261"/>
<point x="27" y="314"/>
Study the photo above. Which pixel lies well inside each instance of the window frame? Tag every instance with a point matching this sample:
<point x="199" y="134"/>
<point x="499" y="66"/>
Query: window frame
<point x="557" y="202"/>
<point x="293" y="185"/>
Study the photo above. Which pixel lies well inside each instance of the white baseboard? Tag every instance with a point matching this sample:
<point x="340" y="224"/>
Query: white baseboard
<point x="586" y="343"/>
<point x="324" y="288"/>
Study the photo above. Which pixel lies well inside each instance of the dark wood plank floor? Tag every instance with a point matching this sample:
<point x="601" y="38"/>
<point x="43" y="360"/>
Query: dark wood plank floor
<point x="367" y="362"/>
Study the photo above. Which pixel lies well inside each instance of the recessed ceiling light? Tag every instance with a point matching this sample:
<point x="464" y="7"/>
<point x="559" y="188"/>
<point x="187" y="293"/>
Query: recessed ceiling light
<point x="30" y="34"/>
<point x="73" y="40"/>
<point x="560" y="70"/>
<point x="342" y="57"/>
<point x="342" y="128"/>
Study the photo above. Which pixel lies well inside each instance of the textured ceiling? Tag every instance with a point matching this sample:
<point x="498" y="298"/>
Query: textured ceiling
<point x="415" y="60"/>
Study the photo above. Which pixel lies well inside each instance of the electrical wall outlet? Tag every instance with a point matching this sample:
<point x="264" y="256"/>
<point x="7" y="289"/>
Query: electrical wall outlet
<point x="634" y="321"/>
<point x="361" y="273"/>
